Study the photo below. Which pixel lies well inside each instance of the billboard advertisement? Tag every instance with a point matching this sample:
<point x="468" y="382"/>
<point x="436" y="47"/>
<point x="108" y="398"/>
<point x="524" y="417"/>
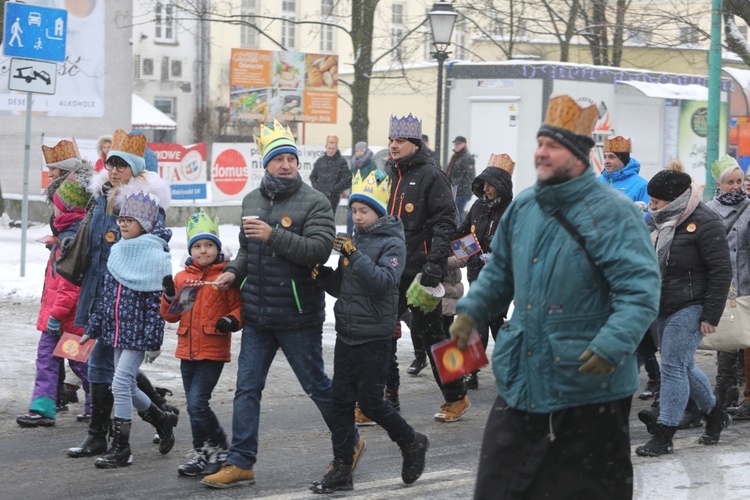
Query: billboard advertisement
<point x="692" y="137"/>
<point x="184" y="168"/>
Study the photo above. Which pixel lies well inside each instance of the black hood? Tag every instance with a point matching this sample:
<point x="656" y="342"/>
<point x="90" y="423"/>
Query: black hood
<point x="498" y="178"/>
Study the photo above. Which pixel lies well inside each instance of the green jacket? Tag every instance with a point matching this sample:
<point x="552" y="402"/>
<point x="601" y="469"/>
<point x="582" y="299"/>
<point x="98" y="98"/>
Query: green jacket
<point x="567" y="300"/>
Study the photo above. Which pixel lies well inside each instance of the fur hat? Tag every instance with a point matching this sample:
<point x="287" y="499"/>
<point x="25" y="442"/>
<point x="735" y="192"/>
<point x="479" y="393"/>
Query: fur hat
<point x="668" y="185"/>
<point x="100" y="144"/>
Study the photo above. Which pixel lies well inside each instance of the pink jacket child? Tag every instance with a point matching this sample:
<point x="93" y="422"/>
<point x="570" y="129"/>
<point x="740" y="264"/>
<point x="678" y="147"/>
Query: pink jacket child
<point x="58" y="309"/>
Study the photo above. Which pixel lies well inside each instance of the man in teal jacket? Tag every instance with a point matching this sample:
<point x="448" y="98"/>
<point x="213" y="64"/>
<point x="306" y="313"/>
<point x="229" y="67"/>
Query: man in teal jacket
<point x="580" y="267"/>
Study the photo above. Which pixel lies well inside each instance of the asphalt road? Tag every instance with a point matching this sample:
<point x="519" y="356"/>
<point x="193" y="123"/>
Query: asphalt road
<point x="295" y="448"/>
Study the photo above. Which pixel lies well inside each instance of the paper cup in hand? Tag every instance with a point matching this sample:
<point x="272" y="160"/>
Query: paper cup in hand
<point x="250" y="217"/>
<point x="424" y="297"/>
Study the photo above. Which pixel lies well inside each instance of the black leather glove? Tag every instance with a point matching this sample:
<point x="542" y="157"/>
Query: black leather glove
<point x="432" y="275"/>
<point x="321" y="272"/>
<point x="168" y="285"/>
<point x="227" y="324"/>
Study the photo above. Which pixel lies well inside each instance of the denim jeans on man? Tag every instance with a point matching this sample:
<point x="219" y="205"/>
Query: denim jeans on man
<point x="199" y="378"/>
<point x="124" y="387"/>
<point x="359" y="374"/>
<point x="303" y="350"/>
<point x="680" y="378"/>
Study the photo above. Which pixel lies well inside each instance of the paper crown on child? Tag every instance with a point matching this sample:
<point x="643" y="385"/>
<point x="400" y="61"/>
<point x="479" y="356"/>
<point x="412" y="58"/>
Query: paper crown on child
<point x="131" y="148"/>
<point x="63" y="155"/>
<point x="503" y="162"/>
<point x="374" y="191"/>
<point x="201" y="227"/>
<point x="275" y="141"/>
<point x="617" y="144"/>
<point x="72" y="192"/>
<point x="407" y="127"/>
<point x="143" y="207"/>
<point x="570" y="125"/>
<point x="724" y="163"/>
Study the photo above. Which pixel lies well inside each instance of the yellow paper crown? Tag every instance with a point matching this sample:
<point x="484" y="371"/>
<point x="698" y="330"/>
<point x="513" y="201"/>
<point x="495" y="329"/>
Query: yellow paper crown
<point x="133" y="144"/>
<point x="375" y="189"/>
<point x="502" y="161"/>
<point x="565" y="113"/>
<point x="63" y="150"/>
<point x="617" y="144"/>
<point x="270" y="138"/>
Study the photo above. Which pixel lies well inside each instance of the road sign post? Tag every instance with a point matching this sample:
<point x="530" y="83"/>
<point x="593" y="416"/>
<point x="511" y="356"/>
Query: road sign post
<point x="40" y="33"/>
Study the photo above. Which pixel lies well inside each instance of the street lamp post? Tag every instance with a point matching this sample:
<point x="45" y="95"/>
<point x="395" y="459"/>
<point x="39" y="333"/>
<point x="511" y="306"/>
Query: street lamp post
<point x="442" y="18"/>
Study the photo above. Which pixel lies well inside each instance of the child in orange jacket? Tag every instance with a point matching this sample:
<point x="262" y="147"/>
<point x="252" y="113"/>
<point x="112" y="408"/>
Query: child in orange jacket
<point x="204" y="339"/>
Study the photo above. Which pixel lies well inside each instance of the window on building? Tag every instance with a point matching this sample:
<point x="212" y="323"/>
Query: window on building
<point x="460" y="40"/>
<point x="522" y="30"/>
<point x="398" y="30"/>
<point x="248" y="34"/>
<point x="289" y="29"/>
<point x="167" y="106"/>
<point x="165" y="23"/>
<point x="326" y="32"/>
<point x="689" y="35"/>
<point x="638" y="37"/>
<point x="496" y="27"/>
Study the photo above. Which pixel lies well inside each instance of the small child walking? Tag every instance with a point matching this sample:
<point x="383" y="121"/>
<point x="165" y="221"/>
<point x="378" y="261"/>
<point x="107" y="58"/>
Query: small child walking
<point x="366" y="285"/>
<point x="204" y="340"/>
<point x="127" y="316"/>
<point x="59" y="300"/>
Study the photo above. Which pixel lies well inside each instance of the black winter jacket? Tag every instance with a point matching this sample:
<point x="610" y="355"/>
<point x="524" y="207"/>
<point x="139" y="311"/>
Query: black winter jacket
<point x="699" y="269"/>
<point x="331" y="176"/>
<point x="278" y="291"/>
<point x="461" y="172"/>
<point x="421" y="197"/>
<point x="484" y="215"/>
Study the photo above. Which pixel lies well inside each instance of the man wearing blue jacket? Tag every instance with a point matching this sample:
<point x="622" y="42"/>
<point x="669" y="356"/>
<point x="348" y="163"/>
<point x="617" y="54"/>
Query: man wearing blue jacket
<point x="580" y="267"/>
<point x="621" y="171"/>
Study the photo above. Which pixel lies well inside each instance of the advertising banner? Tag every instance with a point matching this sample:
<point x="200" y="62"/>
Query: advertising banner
<point x="237" y="168"/>
<point x="283" y="85"/>
<point x="692" y="138"/>
<point x="184" y="168"/>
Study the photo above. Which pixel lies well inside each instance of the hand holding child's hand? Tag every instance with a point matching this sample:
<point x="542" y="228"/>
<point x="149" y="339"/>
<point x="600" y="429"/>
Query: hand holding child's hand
<point x="225" y="280"/>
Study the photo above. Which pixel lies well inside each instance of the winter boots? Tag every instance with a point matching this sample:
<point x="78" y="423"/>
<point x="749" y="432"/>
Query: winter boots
<point x="157" y="396"/>
<point x="419" y="363"/>
<point x="716" y="421"/>
<point x="35" y="419"/>
<point x="119" y="454"/>
<point x="338" y="477"/>
<point x="163" y="422"/>
<point x="95" y="442"/>
<point x="691" y="417"/>
<point x="414" y="453"/>
<point x="649" y="417"/>
<point x="660" y="444"/>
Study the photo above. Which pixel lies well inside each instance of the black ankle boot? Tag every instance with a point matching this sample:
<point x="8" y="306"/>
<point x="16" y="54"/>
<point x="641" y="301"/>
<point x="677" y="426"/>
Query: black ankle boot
<point x="691" y="417"/>
<point x="716" y="421"/>
<point x="155" y="394"/>
<point x="649" y="417"/>
<point x="419" y="363"/>
<point x="119" y="454"/>
<point x="338" y="477"/>
<point x="163" y="422"/>
<point x="660" y="444"/>
<point x="95" y="442"/>
<point x="414" y="454"/>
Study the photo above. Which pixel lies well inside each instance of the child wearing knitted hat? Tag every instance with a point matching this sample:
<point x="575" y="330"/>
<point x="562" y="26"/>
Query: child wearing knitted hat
<point x="127" y="315"/>
<point x="59" y="301"/>
<point x="366" y="285"/>
<point x="204" y="339"/>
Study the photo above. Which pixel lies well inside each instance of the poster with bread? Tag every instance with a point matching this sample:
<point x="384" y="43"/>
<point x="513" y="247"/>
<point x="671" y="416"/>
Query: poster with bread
<point x="321" y="71"/>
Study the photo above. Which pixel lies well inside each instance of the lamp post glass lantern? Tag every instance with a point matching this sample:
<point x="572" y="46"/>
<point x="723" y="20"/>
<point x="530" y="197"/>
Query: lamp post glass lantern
<point x="442" y="19"/>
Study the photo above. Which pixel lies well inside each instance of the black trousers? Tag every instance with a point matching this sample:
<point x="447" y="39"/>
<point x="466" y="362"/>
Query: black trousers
<point x="588" y="457"/>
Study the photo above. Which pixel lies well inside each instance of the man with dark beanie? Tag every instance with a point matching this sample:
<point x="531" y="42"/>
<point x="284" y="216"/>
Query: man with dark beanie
<point x="621" y="171"/>
<point x="579" y="265"/>
<point x="421" y="197"/>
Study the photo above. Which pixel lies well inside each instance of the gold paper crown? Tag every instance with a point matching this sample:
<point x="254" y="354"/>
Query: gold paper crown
<point x="617" y="144"/>
<point x="565" y="113"/>
<point x="133" y="144"/>
<point x="270" y="138"/>
<point x="63" y="150"/>
<point x="375" y="188"/>
<point x="502" y="161"/>
<point x="332" y="138"/>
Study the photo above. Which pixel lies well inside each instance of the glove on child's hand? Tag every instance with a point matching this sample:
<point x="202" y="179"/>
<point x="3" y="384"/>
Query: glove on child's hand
<point x="53" y="326"/>
<point x="227" y="324"/>
<point x="151" y="356"/>
<point x="320" y="272"/>
<point x="168" y="285"/>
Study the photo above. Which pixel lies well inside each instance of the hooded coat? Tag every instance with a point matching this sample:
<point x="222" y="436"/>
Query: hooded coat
<point x="627" y="181"/>
<point x="331" y="176"/>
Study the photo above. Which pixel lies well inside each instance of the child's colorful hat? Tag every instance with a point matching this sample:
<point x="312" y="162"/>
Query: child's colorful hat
<point x="72" y="193"/>
<point x="373" y="191"/>
<point x="143" y="207"/>
<point x="200" y="227"/>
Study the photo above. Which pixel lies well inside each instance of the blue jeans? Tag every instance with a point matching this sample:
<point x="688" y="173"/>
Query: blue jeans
<point x="199" y="379"/>
<point x="124" y="387"/>
<point x="304" y="350"/>
<point x="680" y="378"/>
<point x="359" y="374"/>
<point x="101" y="364"/>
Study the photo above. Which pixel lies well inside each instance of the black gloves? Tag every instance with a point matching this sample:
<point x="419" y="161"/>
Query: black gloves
<point x="343" y="245"/>
<point x="168" y="285"/>
<point x="227" y="324"/>
<point x="432" y="275"/>
<point x="320" y="272"/>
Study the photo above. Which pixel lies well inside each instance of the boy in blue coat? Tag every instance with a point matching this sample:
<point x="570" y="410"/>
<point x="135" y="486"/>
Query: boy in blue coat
<point x="366" y="285"/>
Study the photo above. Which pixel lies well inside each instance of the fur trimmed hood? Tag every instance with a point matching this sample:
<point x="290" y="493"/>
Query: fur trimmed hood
<point x="145" y="181"/>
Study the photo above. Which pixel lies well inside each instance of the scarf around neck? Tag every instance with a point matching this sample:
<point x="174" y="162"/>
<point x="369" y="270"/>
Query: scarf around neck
<point x="730" y="199"/>
<point x="360" y="162"/>
<point x="140" y="263"/>
<point x="667" y="219"/>
<point x="274" y="184"/>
